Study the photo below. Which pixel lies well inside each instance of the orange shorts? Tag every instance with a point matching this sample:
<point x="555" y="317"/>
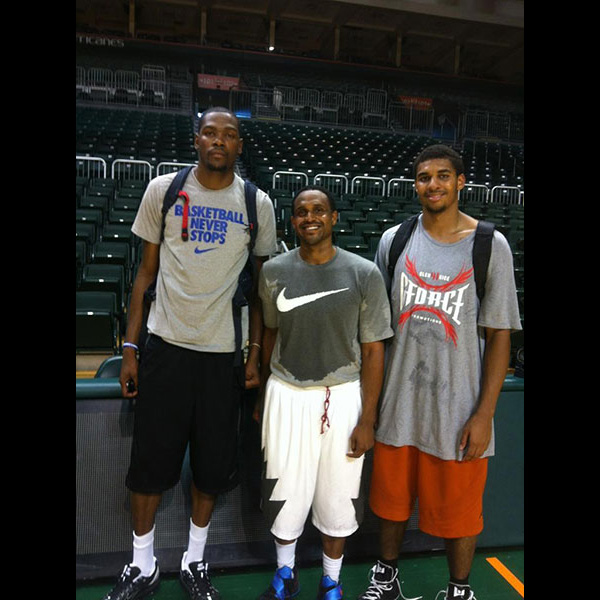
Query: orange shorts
<point x="450" y="492"/>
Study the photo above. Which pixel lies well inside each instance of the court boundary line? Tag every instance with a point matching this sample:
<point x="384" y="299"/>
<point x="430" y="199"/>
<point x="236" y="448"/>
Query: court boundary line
<point x="505" y="572"/>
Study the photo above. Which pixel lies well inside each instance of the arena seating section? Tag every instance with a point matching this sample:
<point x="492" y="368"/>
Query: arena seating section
<point x="120" y="149"/>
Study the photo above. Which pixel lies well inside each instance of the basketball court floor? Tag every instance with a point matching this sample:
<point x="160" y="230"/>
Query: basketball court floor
<point x="497" y="574"/>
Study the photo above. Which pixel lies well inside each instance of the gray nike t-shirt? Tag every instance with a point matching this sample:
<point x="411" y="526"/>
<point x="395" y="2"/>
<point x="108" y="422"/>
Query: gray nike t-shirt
<point x="323" y="314"/>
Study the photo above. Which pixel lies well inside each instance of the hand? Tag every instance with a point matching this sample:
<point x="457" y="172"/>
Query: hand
<point x="252" y="373"/>
<point x="361" y="440"/>
<point x="129" y="372"/>
<point x="476" y="436"/>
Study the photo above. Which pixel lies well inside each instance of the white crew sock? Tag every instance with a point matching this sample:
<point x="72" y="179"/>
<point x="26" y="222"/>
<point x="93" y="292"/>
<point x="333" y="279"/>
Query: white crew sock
<point x="332" y="566"/>
<point x="143" y="552"/>
<point x="286" y="554"/>
<point x="196" y="543"/>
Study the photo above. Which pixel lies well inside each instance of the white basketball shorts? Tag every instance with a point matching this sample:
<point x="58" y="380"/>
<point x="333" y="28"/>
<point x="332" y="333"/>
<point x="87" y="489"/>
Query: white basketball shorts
<point x="305" y="437"/>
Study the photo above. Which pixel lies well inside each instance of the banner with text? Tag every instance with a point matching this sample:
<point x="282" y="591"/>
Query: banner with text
<point x="217" y="82"/>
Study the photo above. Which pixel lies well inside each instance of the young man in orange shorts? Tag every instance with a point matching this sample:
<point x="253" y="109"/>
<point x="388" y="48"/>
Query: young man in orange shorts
<point x="445" y="368"/>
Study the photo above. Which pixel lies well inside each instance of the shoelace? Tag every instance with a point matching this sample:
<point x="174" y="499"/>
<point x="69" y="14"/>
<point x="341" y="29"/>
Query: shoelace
<point x="377" y="588"/>
<point x="202" y="572"/>
<point x="127" y="573"/>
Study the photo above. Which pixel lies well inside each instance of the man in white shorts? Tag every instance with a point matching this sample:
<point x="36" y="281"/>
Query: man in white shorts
<point x="326" y="314"/>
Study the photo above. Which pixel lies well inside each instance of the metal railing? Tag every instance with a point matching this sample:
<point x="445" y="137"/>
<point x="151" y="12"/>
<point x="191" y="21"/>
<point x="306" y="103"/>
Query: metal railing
<point x="291" y="181"/>
<point x="92" y="167"/>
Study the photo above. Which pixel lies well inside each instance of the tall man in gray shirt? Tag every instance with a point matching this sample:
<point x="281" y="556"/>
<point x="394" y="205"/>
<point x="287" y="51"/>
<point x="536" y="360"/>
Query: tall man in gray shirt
<point x="444" y="372"/>
<point x="326" y="313"/>
<point x="189" y="390"/>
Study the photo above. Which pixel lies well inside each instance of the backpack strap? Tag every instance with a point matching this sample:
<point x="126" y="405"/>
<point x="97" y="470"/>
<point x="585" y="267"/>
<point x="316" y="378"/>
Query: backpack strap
<point x="401" y="236"/>
<point x="171" y="196"/>
<point x="250" y="195"/>
<point x="482" y="250"/>
<point x="247" y="276"/>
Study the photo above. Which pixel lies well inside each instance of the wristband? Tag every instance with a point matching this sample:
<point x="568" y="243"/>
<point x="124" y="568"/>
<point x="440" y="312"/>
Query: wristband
<point x="130" y="345"/>
<point x="255" y="344"/>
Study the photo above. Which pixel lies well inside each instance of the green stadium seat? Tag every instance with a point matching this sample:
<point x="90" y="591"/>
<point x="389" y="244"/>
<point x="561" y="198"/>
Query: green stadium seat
<point x="90" y="215"/>
<point x="119" y="216"/>
<point x="94" y="201"/>
<point x="105" y="277"/>
<point x="117" y="232"/>
<point x="96" y="322"/>
<point x="87" y="233"/>
<point x="110" y="367"/>
<point x="113" y="253"/>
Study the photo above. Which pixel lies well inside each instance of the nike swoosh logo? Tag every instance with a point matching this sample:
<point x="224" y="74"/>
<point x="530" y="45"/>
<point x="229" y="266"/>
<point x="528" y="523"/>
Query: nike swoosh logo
<point x="198" y="251"/>
<point x="286" y="304"/>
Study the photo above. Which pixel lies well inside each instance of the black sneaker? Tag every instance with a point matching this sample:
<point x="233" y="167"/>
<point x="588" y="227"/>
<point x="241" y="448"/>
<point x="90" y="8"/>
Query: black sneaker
<point x="385" y="584"/>
<point x="196" y="582"/>
<point x="283" y="586"/>
<point x="132" y="585"/>
<point x="455" y="591"/>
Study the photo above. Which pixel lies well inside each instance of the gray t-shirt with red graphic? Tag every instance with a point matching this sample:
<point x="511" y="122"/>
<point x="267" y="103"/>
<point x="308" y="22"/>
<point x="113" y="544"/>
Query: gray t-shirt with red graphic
<point x="434" y="362"/>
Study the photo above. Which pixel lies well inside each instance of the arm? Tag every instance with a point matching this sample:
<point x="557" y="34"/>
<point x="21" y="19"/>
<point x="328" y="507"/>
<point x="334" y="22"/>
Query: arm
<point x="145" y="276"/>
<point x="255" y="331"/>
<point x="268" y="343"/>
<point x="371" y="381"/>
<point x="477" y="432"/>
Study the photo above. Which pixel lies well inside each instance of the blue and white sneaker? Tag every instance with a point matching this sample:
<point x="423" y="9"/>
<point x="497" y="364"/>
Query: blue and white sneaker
<point x="284" y="585"/>
<point x="329" y="589"/>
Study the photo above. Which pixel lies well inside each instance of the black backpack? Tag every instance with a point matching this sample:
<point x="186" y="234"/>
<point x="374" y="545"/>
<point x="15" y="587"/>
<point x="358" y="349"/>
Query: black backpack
<point x="482" y="250"/>
<point x="246" y="278"/>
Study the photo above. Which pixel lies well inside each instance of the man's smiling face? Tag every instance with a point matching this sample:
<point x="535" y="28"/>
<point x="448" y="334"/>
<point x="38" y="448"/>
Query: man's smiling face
<point x="313" y="219"/>
<point x="437" y="184"/>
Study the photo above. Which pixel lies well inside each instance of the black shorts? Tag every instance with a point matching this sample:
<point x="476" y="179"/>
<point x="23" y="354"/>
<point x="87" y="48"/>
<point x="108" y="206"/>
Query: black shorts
<point x="185" y="397"/>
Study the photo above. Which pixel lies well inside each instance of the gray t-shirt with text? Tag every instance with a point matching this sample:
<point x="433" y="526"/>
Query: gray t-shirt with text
<point x="198" y="278"/>
<point x="434" y="362"/>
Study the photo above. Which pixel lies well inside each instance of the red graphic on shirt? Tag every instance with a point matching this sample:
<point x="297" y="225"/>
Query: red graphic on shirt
<point x="443" y="301"/>
<point x="460" y="278"/>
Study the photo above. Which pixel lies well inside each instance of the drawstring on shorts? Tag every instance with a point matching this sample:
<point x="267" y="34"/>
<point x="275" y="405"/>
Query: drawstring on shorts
<point x="325" y="418"/>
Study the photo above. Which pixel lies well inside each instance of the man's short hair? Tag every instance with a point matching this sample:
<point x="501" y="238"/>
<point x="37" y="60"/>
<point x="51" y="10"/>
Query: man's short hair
<point x="439" y="151"/>
<point x="316" y="188"/>
<point x="214" y="109"/>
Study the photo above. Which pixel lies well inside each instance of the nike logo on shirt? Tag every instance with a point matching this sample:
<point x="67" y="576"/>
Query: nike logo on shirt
<point x="286" y="304"/>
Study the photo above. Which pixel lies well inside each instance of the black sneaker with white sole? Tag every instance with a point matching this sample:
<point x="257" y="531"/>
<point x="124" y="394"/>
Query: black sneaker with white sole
<point x="196" y="582"/>
<point x="384" y="585"/>
<point x="132" y="585"/>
